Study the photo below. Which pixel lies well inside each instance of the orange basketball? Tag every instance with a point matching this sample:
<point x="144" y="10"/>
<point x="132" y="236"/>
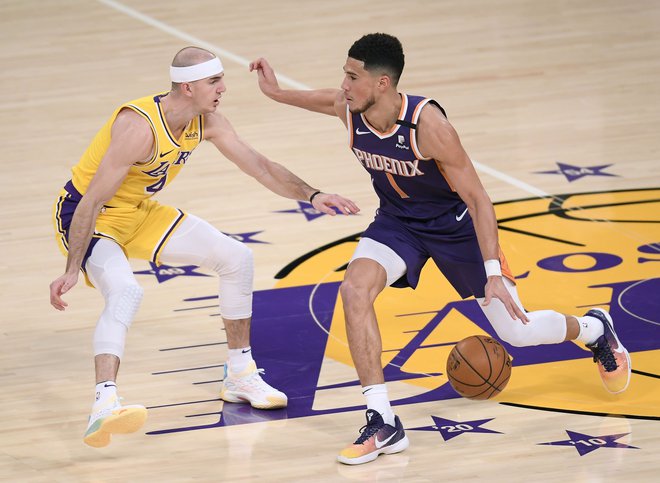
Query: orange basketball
<point x="478" y="367"/>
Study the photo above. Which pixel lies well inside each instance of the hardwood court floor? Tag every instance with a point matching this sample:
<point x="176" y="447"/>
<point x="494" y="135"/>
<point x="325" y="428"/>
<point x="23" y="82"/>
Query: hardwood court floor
<point x="550" y="98"/>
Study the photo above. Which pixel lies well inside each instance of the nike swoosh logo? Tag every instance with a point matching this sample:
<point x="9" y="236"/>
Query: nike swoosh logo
<point x="460" y="217"/>
<point x="109" y="385"/>
<point x="165" y="154"/>
<point x="245" y="351"/>
<point x="379" y="444"/>
<point x="360" y="133"/>
<point x="618" y="349"/>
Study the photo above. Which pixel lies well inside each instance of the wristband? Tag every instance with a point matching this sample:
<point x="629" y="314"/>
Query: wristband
<point x="493" y="268"/>
<point x="311" y="198"/>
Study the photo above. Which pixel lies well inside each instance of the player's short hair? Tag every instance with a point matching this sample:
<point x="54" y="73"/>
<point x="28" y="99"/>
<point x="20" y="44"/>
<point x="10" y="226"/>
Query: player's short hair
<point x="381" y="53"/>
<point x="190" y="56"/>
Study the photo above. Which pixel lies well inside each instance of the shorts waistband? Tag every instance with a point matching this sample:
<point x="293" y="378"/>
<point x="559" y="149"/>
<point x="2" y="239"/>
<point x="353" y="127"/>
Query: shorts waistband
<point x="72" y="190"/>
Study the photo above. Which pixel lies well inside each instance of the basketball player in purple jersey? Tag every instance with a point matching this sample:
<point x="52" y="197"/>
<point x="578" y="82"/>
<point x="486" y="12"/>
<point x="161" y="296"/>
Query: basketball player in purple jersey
<point x="432" y="205"/>
<point x="106" y="214"/>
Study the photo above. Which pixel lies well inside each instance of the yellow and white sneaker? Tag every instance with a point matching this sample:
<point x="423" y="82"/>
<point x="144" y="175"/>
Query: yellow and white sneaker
<point x="111" y="418"/>
<point x="612" y="358"/>
<point x="248" y="386"/>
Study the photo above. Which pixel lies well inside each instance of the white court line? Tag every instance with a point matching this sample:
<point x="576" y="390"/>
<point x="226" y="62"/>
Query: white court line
<point x="191" y="39"/>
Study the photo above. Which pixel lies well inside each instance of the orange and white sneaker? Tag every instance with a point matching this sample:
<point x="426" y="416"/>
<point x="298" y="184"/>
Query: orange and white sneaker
<point x="612" y="358"/>
<point x="248" y="386"/>
<point x="111" y="418"/>
<point x="376" y="438"/>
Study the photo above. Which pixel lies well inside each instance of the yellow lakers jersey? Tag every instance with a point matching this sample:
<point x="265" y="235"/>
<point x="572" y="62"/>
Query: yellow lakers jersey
<point x="147" y="178"/>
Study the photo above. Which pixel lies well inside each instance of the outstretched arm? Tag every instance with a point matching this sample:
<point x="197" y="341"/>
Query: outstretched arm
<point x="438" y="139"/>
<point x="272" y="175"/>
<point x="132" y="141"/>
<point x="325" y="101"/>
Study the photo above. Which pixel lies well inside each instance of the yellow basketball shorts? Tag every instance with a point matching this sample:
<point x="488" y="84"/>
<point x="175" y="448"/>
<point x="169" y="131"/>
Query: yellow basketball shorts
<point x="141" y="231"/>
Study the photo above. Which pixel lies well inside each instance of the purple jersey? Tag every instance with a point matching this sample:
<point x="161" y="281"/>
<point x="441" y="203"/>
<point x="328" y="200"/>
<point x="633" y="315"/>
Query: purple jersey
<point x="407" y="184"/>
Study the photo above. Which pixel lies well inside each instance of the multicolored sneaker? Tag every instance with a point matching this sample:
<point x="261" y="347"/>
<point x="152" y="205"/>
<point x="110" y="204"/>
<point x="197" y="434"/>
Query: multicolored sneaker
<point x="612" y="358"/>
<point x="375" y="438"/>
<point x="113" y="418"/>
<point x="248" y="386"/>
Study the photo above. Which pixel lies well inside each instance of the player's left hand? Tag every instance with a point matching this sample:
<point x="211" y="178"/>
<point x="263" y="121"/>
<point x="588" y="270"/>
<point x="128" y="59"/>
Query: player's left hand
<point x="325" y="201"/>
<point x="495" y="288"/>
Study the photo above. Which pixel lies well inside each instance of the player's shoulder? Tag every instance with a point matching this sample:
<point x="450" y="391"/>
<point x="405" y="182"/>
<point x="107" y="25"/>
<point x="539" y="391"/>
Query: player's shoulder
<point x="433" y="123"/>
<point x="431" y="109"/>
<point x="129" y="121"/>
<point x="431" y="118"/>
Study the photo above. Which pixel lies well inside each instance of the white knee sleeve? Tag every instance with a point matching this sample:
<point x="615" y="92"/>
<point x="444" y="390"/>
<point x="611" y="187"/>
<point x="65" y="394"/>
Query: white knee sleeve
<point x="544" y="327"/>
<point x="110" y="272"/>
<point x="197" y="242"/>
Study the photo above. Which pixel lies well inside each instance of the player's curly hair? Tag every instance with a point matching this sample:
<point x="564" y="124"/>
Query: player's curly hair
<point x="380" y="52"/>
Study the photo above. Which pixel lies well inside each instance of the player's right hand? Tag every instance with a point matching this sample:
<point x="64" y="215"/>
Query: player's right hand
<point x="59" y="287"/>
<point x="495" y="288"/>
<point x="267" y="80"/>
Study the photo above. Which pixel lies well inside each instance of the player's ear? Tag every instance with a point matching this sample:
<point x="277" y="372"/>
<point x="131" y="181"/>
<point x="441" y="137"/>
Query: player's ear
<point x="384" y="82"/>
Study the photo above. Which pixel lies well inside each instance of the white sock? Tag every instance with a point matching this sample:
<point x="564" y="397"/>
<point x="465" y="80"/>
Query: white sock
<point x="240" y="358"/>
<point x="591" y="329"/>
<point x="378" y="400"/>
<point x="104" y="391"/>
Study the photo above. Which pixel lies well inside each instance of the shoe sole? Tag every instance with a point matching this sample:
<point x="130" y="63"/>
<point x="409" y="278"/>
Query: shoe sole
<point x="610" y="322"/>
<point x="126" y="420"/>
<point x="395" y="448"/>
<point x="271" y="403"/>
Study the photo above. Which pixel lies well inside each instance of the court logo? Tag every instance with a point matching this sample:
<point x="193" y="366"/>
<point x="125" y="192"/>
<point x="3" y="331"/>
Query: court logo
<point x="585" y="443"/>
<point x="307" y="210"/>
<point x="573" y="173"/>
<point x="570" y="254"/>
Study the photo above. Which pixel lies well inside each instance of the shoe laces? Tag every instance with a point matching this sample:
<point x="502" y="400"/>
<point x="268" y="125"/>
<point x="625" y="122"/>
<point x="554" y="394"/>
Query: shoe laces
<point x="368" y="430"/>
<point x="603" y="354"/>
<point x="254" y="379"/>
<point x="107" y="409"/>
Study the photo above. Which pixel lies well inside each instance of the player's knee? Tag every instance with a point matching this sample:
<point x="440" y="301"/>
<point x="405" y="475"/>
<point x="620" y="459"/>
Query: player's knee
<point x="231" y="260"/>
<point x="516" y="335"/>
<point x="356" y="294"/>
<point x="126" y="303"/>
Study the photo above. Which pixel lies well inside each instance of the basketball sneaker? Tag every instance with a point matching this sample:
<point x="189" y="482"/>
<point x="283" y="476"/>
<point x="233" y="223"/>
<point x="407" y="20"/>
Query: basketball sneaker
<point x="248" y="386"/>
<point x="376" y="438"/>
<point x="612" y="358"/>
<point x="110" y="418"/>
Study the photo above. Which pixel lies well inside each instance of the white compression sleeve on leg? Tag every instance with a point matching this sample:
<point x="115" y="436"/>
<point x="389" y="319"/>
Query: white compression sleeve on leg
<point x="197" y="242"/>
<point x="393" y="264"/>
<point x="544" y="327"/>
<point x="109" y="271"/>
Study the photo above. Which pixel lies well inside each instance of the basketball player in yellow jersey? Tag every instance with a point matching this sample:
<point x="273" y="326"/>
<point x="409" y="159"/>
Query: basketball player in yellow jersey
<point x="105" y="215"/>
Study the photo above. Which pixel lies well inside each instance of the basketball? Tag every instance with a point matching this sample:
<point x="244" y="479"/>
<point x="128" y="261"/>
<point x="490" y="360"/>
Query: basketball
<point x="478" y="367"/>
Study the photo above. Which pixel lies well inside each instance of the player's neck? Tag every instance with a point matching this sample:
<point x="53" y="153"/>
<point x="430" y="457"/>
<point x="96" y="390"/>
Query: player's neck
<point x="178" y="113"/>
<point x="385" y="112"/>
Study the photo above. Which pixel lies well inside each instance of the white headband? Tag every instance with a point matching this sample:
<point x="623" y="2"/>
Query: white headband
<point x="195" y="72"/>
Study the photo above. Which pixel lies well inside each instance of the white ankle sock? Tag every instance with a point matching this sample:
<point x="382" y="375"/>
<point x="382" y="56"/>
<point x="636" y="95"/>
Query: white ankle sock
<point x="240" y="358"/>
<point x="104" y="391"/>
<point x="378" y="400"/>
<point x="591" y="329"/>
